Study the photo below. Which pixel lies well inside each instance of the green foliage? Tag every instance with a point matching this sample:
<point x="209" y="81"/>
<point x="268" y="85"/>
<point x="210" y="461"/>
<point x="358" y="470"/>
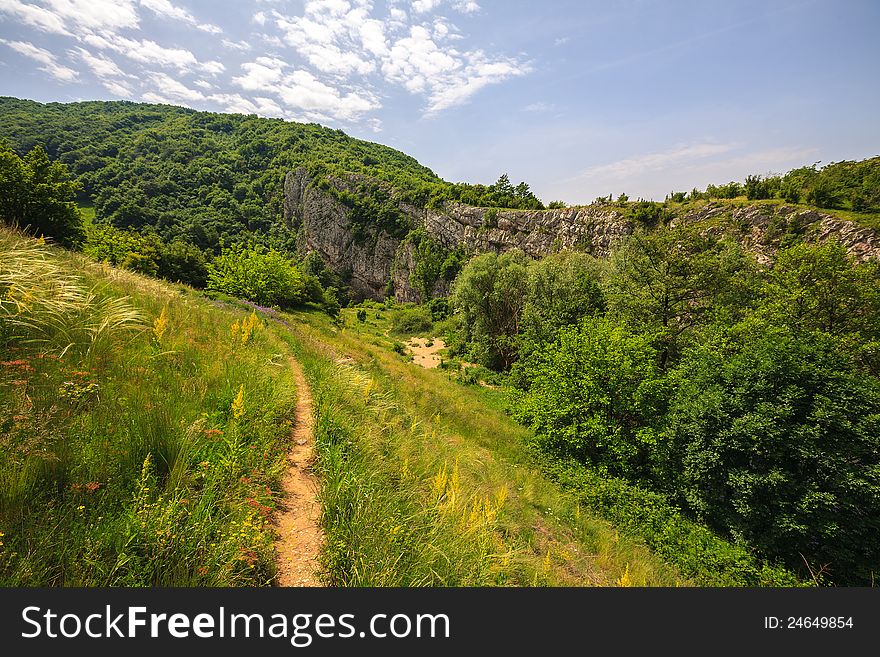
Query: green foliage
<point x="37" y="195"/>
<point x="331" y="302"/>
<point x="432" y="263"/>
<point x="266" y="277"/>
<point x="501" y="194"/>
<point x="145" y="253"/>
<point x="561" y="290"/>
<point x="774" y="438"/>
<point x="821" y="287"/>
<point x="696" y="551"/>
<point x="411" y="320"/>
<point x="669" y="282"/>
<point x="487" y="297"/>
<point x="748" y="398"/>
<point x="596" y="394"/>
<point x="838" y="185"/>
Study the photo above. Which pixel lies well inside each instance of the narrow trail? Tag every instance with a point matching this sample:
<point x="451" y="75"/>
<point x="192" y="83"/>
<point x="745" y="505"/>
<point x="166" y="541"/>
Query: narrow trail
<point x="300" y="535"/>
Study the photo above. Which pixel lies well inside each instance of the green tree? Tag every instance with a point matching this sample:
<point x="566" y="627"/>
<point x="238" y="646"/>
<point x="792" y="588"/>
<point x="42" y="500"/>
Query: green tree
<point x="821" y="287"/>
<point x="488" y="299"/>
<point x="561" y="290"/>
<point x="264" y="276"/>
<point x="38" y="195"/>
<point x="596" y="394"/>
<point x="669" y="282"/>
<point x="774" y="438"/>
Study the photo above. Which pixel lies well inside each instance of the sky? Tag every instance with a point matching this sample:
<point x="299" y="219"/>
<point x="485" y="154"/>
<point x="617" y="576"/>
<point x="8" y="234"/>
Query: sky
<point x="578" y="98"/>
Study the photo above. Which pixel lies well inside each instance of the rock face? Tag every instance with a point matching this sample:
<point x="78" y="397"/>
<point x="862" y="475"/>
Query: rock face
<point x="594" y="229"/>
<point x="325" y="227"/>
<point x="375" y="262"/>
<point x="370" y="259"/>
<point x="760" y="228"/>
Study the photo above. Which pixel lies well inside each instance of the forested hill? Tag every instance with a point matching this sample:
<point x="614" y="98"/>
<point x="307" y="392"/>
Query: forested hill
<point x="203" y="177"/>
<point x="195" y="175"/>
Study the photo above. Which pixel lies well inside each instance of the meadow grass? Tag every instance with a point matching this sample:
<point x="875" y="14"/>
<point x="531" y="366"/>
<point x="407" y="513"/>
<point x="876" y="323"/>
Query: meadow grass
<point x="139" y="452"/>
<point x="561" y="523"/>
<point x="428" y="482"/>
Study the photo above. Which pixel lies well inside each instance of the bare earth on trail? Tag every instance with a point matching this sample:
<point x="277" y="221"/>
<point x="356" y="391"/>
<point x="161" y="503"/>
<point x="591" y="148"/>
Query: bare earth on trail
<point x="423" y="354"/>
<point x="300" y="537"/>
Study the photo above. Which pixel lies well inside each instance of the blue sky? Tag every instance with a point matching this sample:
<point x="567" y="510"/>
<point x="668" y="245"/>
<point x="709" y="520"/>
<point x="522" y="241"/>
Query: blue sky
<point x="578" y="98"/>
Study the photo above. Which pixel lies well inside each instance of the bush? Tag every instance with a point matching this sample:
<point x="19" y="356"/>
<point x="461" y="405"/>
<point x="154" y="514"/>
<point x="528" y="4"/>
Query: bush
<point x="264" y="276"/>
<point x="411" y="321"/>
<point x="774" y="438"/>
<point x="595" y="394"/>
<point x="37" y="195"/>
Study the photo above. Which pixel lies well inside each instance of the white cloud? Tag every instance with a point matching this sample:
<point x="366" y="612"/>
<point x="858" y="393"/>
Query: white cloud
<point x="656" y="161"/>
<point x="237" y="103"/>
<point x="333" y="37"/>
<point x="110" y="15"/>
<point x="466" y="6"/>
<point x="165" y="9"/>
<point x="169" y="87"/>
<point x="49" y="62"/>
<point x="539" y="106"/>
<point x="101" y="66"/>
<point x="264" y="74"/>
<point x="236" y="45"/>
<point x="448" y="77"/>
<point x="346" y="52"/>
<point x="34" y="16"/>
<point x="300" y="90"/>
<point x="150" y="53"/>
<point x="118" y="88"/>
<point x="423" y="6"/>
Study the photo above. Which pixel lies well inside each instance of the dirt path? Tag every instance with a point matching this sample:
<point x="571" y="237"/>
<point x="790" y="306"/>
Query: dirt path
<point x="300" y="536"/>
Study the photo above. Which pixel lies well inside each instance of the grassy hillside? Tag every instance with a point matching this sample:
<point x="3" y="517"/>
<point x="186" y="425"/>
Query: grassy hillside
<point x="144" y="433"/>
<point x="142" y="428"/>
<point x="393" y="437"/>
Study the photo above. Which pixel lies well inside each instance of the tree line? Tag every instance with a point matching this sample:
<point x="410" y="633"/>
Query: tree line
<point x="747" y="396"/>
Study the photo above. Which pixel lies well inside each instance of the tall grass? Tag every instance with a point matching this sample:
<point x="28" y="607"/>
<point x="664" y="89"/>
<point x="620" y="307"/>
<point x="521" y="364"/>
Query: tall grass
<point x="142" y="439"/>
<point x="427" y="482"/>
<point x="44" y="304"/>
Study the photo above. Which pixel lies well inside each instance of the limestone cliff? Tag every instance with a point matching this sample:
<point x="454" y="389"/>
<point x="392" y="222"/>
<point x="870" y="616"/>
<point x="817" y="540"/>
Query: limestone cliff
<point x="369" y="257"/>
<point x="376" y="261"/>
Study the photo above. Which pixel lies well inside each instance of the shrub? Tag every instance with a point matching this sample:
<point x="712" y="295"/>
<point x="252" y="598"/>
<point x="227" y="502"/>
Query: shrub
<point x="774" y="438"/>
<point x="264" y="276"/>
<point x="37" y="195"/>
<point x="411" y="321"/>
<point x="595" y="394"/>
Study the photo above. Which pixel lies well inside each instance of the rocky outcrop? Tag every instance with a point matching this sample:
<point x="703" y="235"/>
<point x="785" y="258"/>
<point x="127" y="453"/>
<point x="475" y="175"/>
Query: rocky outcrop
<point x="364" y="262"/>
<point x="761" y="228"/>
<point x="595" y="229"/>
<point x="374" y="262"/>
<point x="368" y="258"/>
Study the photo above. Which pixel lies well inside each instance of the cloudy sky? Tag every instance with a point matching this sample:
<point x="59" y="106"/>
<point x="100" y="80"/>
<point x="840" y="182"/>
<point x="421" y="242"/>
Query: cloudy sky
<point x="580" y="98"/>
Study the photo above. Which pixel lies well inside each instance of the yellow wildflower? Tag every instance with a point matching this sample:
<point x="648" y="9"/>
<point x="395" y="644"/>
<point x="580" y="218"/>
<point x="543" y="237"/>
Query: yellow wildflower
<point x="160" y="324"/>
<point x="238" y="403"/>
